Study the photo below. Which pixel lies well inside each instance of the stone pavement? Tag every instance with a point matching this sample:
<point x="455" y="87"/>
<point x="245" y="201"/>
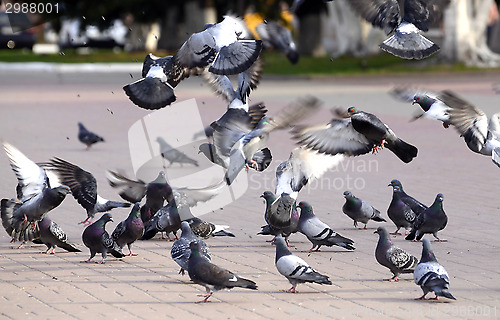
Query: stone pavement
<point x="40" y="110"/>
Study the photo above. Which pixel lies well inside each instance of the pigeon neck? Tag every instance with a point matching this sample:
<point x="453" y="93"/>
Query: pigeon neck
<point x="305" y="213"/>
<point x="384" y="239"/>
<point x="281" y="249"/>
<point x="427" y="254"/>
<point x="352" y="202"/>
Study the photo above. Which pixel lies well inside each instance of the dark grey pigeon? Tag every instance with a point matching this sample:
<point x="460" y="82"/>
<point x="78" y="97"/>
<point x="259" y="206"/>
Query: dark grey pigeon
<point x="294" y="268"/>
<point x="360" y="210"/>
<point x="87" y="137"/>
<point x="54" y="236"/>
<point x="403" y="209"/>
<point x="173" y="155"/>
<point x="7" y="208"/>
<point x="404" y="23"/>
<point x="431" y="220"/>
<point x="417" y="206"/>
<point x="270" y="230"/>
<point x="318" y="232"/>
<point x="166" y="220"/>
<point x="33" y="191"/>
<point x="205" y="229"/>
<point x="83" y="187"/>
<point x="396" y="259"/>
<point x="129" y="230"/>
<point x="362" y="133"/>
<point x="97" y="239"/>
<point x="480" y="134"/>
<point x="212" y="277"/>
<point x="180" y="251"/>
<point x="278" y="37"/>
<point x="430" y="275"/>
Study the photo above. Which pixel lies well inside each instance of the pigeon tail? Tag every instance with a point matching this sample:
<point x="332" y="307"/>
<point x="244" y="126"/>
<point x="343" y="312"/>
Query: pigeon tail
<point x="223" y="233"/>
<point x="404" y="151"/>
<point x="149" y="233"/>
<point x="495" y="156"/>
<point x="69" y="247"/>
<point x="378" y="219"/>
<point x="116" y="253"/>
<point x="408" y="43"/>
<point x="411" y="235"/>
<point x="346" y="245"/>
<point x="444" y="293"/>
<point x="244" y="283"/>
<point x="150" y="93"/>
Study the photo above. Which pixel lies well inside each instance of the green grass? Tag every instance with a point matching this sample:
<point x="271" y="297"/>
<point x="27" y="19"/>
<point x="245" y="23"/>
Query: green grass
<point x="274" y="63"/>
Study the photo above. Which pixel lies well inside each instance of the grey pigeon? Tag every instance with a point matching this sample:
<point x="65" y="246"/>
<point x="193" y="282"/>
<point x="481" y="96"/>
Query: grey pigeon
<point x="278" y="37"/>
<point x="87" y="137"/>
<point x="318" y="232"/>
<point x="205" y="229"/>
<point x="269" y="198"/>
<point x="129" y="230"/>
<point x="83" y="187"/>
<point x="417" y="206"/>
<point x="52" y="235"/>
<point x="404" y="23"/>
<point x="33" y="191"/>
<point x="97" y="239"/>
<point x="432" y="107"/>
<point x="180" y="250"/>
<point x="480" y="134"/>
<point x="173" y="155"/>
<point x="430" y="275"/>
<point x="7" y="208"/>
<point x="431" y="220"/>
<point x="295" y="269"/>
<point x="363" y="132"/>
<point x="360" y="210"/>
<point x="394" y="258"/>
<point x="403" y="209"/>
<point x="166" y="220"/>
<point x="212" y="277"/>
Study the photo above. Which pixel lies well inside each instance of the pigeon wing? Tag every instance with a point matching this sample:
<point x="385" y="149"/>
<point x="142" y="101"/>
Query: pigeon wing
<point x="130" y="190"/>
<point x="384" y="14"/>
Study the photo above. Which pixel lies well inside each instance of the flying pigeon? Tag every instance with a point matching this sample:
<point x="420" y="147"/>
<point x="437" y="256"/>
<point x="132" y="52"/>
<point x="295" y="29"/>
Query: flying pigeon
<point x="480" y="134"/>
<point x="361" y="133"/>
<point x="213" y="278"/>
<point x="269" y="198"/>
<point x="360" y="210"/>
<point x="294" y="268"/>
<point x="432" y="107"/>
<point x="395" y="259"/>
<point x="33" y="191"/>
<point x="129" y="230"/>
<point x="318" y="232"/>
<point x="97" y="239"/>
<point x="205" y="229"/>
<point x="403" y="209"/>
<point x="83" y="187"/>
<point x="173" y="155"/>
<point x="430" y="275"/>
<point x="406" y="41"/>
<point x="292" y="175"/>
<point x="166" y="220"/>
<point x="180" y="250"/>
<point x="87" y="137"/>
<point x="431" y="220"/>
<point x="278" y="37"/>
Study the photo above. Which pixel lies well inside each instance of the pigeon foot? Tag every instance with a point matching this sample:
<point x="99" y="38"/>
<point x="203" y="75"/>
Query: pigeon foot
<point x="393" y="279"/>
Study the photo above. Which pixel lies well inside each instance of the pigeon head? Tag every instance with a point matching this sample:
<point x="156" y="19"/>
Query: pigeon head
<point x="195" y="247"/>
<point x="351" y="111"/>
<point x="62" y="190"/>
<point x="440" y="197"/>
<point x="348" y="194"/>
<point x="105" y="218"/>
<point x="383" y="234"/>
<point x="396" y="183"/>
<point x="161" y="178"/>
<point x="268" y="196"/>
<point x="305" y="209"/>
<point x="424" y="101"/>
<point x="186" y="229"/>
<point x="427" y="254"/>
<point x="264" y="121"/>
<point x="80" y="125"/>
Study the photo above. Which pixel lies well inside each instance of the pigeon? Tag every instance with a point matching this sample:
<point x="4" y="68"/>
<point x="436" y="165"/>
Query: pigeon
<point x="83" y="187"/>
<point x="431" y="220"/>
<point x="318" y="232"/>
<point x="360" y="210"/>
<point x="269" y="198"/>
<point x="295" y="269"/>
<point x="180" y="250"/>
<point x="480" y="134"/>
<point x="278" y="37"/>
<point x="34" y="192"/>
<point x="292" y="175"/>
<point x="97" y="239"/>
<point x="406" y="41"/>
<point x="129" y="230"/>
<point x="173" y="155"/>
<point x="52" y="235"/>
<point x="361" y="133"/>
<point x="205" y="229"/>
<point x="428" y="101"/>
<point x="403" y="209"/>
<point x="166" y="220"/>
<point x="430" y="275"/>
<point x="417" y="206"/>
<point x="156" y="192"/>
<point x="87" y="137"/>
<point x="212" y="277"/>
<point x="396" y="259"/>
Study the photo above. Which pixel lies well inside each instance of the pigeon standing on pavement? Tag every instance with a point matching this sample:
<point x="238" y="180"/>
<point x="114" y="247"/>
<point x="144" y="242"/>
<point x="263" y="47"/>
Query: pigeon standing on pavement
<point x="180" y="250"/>
<point x="97" y="239"/>
<point x="430" y="275"/>
<point x="269" y="198"/>
<point x="83" y="187"/>
<point x="403" y="209"/>
<point x="129" y="230"/>
<point x="360" y="210"/>
<point x="431" y="220"/>
<point x="361" y="133"/>
<point x="295" y="269"/>
<point x="205" y="229"/>
<point x="318" y="232"/>
<point x="87" y="137"/>
<point x="212" y="277"/>
<point x="173" y="155"/>
<point x="396" y="259"/>
<point x="52" y="235"/>
<point x="166" y="219"/>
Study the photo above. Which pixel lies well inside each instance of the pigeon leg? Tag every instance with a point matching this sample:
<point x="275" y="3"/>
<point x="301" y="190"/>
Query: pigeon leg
<point x="104" y="255"/>
<point x="20" y="246"/>
<point x="292" y="289"/>
<point x="86" y="221"/>
<point x="446" y="125"/>
<point x="272" y="240"/>
<point x="396" y="232"/>
<point x="421" y="298"/>
<point x="312" y="249"/>
<point x="33" y="228"/>
<point x="130" y="251"/>
<point x="206" y="295"/>
<point x="393" y="279"/>
<point x="437" y="238"/>
<point x="92" y="254"/>
<point x="182" y="271"/>
<point x="355" y="224"/>
<point x="53" y="250"/>
<point x="364" y="227"/>
<point x="435" y="298"/>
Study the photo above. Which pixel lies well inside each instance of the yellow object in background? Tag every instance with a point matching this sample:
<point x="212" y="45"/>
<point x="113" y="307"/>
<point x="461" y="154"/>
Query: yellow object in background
<point x="252" y="20"/>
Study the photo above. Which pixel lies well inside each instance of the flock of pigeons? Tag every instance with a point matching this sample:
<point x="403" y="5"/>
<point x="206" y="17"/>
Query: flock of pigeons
<point x="238" y="141"/>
